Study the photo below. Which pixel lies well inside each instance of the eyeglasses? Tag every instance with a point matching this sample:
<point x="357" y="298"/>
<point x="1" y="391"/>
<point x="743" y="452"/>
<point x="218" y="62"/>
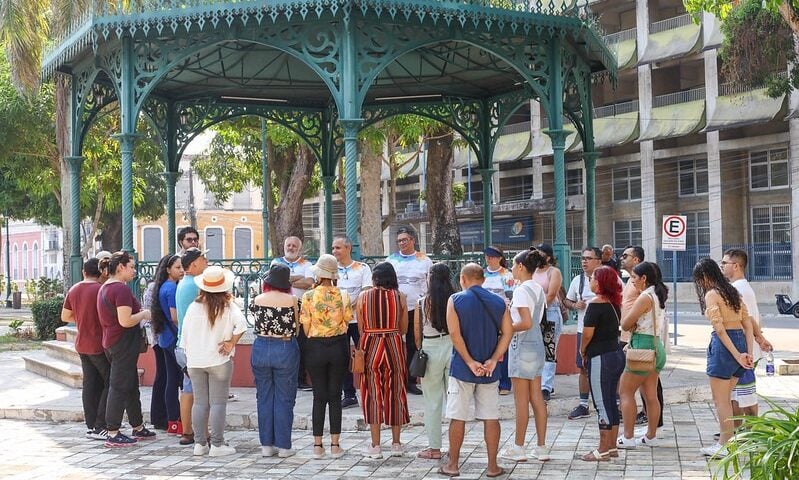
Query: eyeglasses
<point x="403" y="240"/>
<point x="624" y="255"/>
<point x="192" y="239"/>
<point x="585" y="259"/>
<point x="724" y="262"/>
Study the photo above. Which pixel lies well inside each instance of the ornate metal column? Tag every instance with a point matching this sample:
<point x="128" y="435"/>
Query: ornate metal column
<point x="486" y="174"/>
<point x="266" y="190"/>
<point x="75" y="258"/>
<point x="127" y="140"/>
<point x="171" y="179"/>
<point x="327" y="182"/>
<point x="351" y="123"/>
<point x="558" y="136"/>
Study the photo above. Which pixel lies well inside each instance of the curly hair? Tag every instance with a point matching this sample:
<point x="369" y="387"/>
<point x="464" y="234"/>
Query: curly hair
<point x="608" y="284"/>
<point x="707" y="277"/>
<point x="157" y="318"/>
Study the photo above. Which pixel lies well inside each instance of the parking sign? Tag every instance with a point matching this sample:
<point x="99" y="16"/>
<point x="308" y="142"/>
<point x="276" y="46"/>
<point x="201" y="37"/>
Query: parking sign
<point x="674" y="227"/>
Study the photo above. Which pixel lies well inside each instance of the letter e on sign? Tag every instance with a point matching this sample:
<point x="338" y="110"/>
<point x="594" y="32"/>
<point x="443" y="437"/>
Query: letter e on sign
<point x="673" y="232"/>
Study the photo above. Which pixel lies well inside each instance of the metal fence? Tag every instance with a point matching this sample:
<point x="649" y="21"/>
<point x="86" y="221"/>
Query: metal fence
<point x="767" y="261"/>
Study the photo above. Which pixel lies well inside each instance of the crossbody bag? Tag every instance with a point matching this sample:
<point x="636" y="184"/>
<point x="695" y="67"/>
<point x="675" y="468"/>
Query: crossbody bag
<point x="643" y="359"/>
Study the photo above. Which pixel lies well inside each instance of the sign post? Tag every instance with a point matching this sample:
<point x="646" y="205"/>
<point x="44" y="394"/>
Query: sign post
<point x="673" y="234"/>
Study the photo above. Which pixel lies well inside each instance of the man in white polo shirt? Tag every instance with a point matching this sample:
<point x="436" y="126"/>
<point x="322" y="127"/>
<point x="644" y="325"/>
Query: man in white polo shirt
<point x="412" y="269"/>
<point x="353" y="277"/>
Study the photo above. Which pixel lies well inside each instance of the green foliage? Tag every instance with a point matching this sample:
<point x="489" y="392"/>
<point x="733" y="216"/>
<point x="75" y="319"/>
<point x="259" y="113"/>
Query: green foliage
<point x="458" y="192"/>
<point x="43" y="288"/>
<point x="47" y="316"/>
<point x="16" y="325"/>
<point x="758" y="46"/>
<point x="767" y="447"/>
<point x="722" y="8"/>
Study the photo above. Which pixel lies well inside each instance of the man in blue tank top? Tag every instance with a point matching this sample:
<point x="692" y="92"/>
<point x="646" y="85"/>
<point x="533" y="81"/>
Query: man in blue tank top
<point x="480" y="327"/>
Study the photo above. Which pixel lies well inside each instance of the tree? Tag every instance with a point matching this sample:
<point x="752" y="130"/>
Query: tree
<point x="439" y="193"/>
<point x="758" y="41"/>
<point x="233" y="160"/>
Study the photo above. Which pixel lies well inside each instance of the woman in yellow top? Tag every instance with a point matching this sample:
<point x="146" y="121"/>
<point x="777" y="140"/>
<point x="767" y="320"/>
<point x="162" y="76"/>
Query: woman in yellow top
<point x="326" y="312"/>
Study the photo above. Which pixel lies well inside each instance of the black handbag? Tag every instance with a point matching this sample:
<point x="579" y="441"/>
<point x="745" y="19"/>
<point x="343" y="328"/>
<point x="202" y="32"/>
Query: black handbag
<point x="418" y="364"/>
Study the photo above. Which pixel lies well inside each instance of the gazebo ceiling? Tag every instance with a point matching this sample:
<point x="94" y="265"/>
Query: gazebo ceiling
<point x="238" y="69"/>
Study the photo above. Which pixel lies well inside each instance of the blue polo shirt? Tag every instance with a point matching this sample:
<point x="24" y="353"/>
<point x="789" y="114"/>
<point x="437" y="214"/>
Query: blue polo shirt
<point x="480" y="315"/>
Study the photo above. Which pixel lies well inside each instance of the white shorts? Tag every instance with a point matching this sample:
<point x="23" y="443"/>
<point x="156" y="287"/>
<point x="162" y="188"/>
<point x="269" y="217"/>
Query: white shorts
<point x="460" y="395"/>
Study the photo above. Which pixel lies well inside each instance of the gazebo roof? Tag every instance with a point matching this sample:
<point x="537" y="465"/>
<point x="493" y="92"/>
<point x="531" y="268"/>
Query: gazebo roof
<point x="240" y="55"/>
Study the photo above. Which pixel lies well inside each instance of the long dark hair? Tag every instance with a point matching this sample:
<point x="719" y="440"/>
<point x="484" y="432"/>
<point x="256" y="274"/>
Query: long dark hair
<point x="707" y="271"/>
<point x="653" y="276"/>
<point x="531" y="259"/>
<point x="215" y="303"/>
<point x="608" y="282"/>
<point x="157" y="318"/>
<point x="384" y="276"/>
<point x="435" y="305"/>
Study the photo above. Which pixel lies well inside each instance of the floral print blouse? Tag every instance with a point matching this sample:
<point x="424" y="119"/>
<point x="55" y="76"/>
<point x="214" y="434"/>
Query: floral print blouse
<point x="274" y="321"/>
<point x="326" y="311"/>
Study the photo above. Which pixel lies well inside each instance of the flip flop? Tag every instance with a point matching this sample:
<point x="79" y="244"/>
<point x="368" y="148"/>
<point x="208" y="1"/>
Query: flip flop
<point x="498" y="474"/>
<point x="441" y="471"/>
<point x="428" y="454"/>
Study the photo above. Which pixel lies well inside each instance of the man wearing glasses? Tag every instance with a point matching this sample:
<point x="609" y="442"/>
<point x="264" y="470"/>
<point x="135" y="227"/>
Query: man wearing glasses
<point x="577" y="298"/>
<point x="412" y="269"/>
<point x="353" y="277"/>
<point x="188" y="238"/>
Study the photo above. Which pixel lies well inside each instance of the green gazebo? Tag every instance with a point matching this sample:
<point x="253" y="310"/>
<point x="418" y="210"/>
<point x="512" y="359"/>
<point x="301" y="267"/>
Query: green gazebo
<point x="327" y="68"/>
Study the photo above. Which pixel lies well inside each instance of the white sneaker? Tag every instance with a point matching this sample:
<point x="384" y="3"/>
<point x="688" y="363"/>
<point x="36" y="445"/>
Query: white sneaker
<point x="397" y="450"/>
<point x="514" y="453"/>
<point x="268" y="451"/>
<point x="625" y="443"/>
<point x="373" y="452"/>
<point x="647" y="442"/>
<point x="286" y="452"/>
<point x="715" y="450"/>
<point x="541" y="453"/>
<point x="221" y="451"/>
<point x="200" y="450"/>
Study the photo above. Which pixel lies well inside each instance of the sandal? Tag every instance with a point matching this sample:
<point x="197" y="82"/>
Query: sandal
<point x="613" y="452"/>
<point x="596" y="456"/>
<point x="186" y="439"/>
<point x="498" y="474"/>
<point x="339" y="453"/>
<point x="318" y="456"/>
<point x="441" y="471"/>
<point x="429" y="454"/>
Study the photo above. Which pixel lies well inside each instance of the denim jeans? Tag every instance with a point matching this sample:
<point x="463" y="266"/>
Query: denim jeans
<point x="548" y="375"/>
<point x="275" y="363"/>
<point x="164" y="405"/>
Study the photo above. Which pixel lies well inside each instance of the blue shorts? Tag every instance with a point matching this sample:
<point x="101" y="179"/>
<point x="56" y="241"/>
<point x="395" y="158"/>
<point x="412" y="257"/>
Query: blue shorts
<point x="720" y="362"/>
<point x="180" y="357"/>
<point x="579" y="359"/>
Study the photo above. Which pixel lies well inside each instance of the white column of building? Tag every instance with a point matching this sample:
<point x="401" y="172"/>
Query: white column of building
<point x="535" y="133"/>
<point x="793" y="161"/>
<point x="713" y="157"/>
<point x="650" y="225"/>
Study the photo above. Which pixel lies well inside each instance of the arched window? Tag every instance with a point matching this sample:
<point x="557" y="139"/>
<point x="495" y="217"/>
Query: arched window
<point x="24" y="261"/>
<point x="15" y="261"/>
<point x="35" y="260"/>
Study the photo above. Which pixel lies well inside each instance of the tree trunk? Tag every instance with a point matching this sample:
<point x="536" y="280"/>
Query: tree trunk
<point x="112" y="231"/>
<point x="288" y="214"/>
<point x="371" y="214"/>
<point x="62" y="132"/>
<point x="438" y="193"/>
<point x="790" y="15"/>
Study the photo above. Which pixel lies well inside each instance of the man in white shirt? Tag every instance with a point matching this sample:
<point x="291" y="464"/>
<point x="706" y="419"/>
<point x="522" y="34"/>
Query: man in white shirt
<point x="733" y="266"/>
<point x="353" y="277"/>
<point x="301" y="280"/>
<point x="412" y="269"/>
<point x="577" y="298"/>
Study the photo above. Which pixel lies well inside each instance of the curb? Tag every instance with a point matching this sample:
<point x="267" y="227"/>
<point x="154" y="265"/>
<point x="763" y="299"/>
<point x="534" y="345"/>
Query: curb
<point x="351" y="422"/>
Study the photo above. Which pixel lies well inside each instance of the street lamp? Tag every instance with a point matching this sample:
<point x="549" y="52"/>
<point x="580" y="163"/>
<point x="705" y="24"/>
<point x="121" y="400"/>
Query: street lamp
<point x="8" y="262"/>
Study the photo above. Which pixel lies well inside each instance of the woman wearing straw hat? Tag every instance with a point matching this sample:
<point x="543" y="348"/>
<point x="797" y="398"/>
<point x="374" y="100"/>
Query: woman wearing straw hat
<point x="326" y="313"/>
<point x="211" y="328"/>
<point x="275" y="361"/>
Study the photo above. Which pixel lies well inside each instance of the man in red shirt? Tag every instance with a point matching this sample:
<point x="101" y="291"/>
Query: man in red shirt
<point x="80" y="308"/>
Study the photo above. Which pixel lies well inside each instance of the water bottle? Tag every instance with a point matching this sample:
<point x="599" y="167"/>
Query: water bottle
<point x="769" y="364"/>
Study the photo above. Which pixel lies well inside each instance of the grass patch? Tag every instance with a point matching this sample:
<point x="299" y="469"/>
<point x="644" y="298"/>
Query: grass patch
<point x="13" y="343"/>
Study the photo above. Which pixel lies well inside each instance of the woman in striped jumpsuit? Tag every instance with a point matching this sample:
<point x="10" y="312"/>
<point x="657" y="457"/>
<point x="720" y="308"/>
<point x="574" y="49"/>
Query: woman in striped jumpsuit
<point x="382" y="322"/>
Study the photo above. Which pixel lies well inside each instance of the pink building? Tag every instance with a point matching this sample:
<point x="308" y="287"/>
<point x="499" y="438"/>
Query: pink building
<point x="35" y="252"/>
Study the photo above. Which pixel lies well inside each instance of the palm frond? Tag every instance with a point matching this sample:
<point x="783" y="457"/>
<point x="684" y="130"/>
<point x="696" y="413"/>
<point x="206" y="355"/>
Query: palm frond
<point x="64" y="13"/>
<point x="23" y="30"/>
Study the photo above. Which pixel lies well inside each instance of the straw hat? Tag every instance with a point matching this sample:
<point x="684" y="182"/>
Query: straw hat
<point x="215" y="279"/>
<point x="326" y="267"/>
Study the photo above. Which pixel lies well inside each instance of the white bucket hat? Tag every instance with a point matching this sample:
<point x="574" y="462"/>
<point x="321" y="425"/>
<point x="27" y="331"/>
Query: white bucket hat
<point x="326" y="267"/>
<point x="215" y="279"/>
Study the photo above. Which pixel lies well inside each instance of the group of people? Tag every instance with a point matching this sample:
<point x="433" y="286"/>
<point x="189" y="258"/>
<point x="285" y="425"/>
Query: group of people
<point x="498" y="335"/>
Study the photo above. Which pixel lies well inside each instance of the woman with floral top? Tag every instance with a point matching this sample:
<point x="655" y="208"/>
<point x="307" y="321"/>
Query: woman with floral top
<point x="326" y="312"/>
<point x="275" y="360"/>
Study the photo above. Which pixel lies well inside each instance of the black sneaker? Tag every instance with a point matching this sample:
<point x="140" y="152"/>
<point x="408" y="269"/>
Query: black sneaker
<point x="580" y="411"/>
<point x="143" y="434"/>
<point x="119" y="440"/>
<point x="413" y="389"/>
<point x="641" y="418"/>
<point x="716" y="436"/>
<point x="349" y="402"/>
<point x="545" y="393"/>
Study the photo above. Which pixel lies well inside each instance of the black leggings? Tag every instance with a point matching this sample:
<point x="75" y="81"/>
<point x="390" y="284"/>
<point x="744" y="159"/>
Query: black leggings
<point x="123" y="392"/>
<point x="327" y="360"/>
<point x="96" y="370"/>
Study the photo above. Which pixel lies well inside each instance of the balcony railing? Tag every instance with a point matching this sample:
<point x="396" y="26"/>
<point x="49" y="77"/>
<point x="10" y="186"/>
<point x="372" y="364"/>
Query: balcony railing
<point x="679" y="97"/>
<point x="515" y="128"/>
<point x="616" y="109"/>
<point x="620" y="36"/>
<point x="732" y="88"/>
<point x="670" y="23"/>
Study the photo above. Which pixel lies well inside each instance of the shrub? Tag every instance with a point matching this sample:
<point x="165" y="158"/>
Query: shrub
<point x="47" y="316"/>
